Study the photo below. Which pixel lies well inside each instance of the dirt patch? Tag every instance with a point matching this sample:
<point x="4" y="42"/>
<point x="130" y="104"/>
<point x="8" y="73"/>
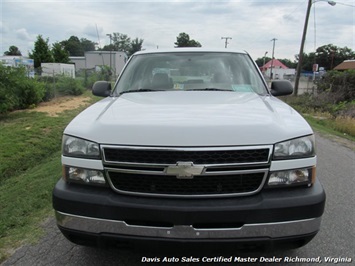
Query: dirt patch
<point x="56" y="106"/>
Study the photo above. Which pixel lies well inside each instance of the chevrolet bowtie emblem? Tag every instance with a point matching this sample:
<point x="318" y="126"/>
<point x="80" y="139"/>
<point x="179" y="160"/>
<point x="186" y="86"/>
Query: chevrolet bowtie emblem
<point x="184" y="170"/>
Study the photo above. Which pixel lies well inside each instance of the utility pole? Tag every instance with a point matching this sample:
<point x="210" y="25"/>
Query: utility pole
<point x="110" y="36"/>
<point x="272" y="57"/>
<point x="264" y="62"/>
<point x="226" y="43"/>
<point x="300" y="55"/>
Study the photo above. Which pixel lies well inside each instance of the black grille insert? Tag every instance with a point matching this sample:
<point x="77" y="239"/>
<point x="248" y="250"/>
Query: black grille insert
<point x="197" y="157"/>
<point x="199" y="185"/>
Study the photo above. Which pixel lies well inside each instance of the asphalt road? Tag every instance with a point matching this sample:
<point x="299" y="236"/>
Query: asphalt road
<point x="336" y="170"/>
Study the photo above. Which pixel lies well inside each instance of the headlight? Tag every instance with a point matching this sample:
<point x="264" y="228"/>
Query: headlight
<point x="81" y="148"/>
<point x="305" y="176"/>
<point x="81" y="175"/>
<point x="295" y="148"/>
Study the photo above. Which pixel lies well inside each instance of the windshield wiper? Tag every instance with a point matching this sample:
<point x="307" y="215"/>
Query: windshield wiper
<point x="208" y="89"/>
<point x="139" y="90"/>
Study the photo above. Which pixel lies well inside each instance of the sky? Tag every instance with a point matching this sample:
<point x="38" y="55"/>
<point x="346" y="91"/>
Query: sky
<point x="252" y="24"/>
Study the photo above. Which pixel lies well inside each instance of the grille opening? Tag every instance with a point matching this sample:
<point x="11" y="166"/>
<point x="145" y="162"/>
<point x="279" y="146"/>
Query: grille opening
<point x="199" y="185"/>
<point x="141" y="168"/>
<point x="234" y="168"/>
<point x="197" y="157"/>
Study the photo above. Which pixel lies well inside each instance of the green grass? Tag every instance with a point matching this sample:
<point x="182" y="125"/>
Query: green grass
<point x="25" y="200"/>
<point x="337" y="119"/>
<point x="27" y="138"/>
<point x="29" y="168"/>
<point x="327" y="127"/>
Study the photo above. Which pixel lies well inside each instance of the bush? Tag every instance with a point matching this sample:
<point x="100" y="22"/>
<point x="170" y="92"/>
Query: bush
<point x="340" y="86"/>
<point x="90" y="76"/>
<point x="30" y="93"/>
<point x="8" y="97"/>
<point x="335" y="96"/>
<point x="61" y="85"/>
<point x="17" y="91"/>
<point x="334" y="102"/>
<point x="69" y="86"/>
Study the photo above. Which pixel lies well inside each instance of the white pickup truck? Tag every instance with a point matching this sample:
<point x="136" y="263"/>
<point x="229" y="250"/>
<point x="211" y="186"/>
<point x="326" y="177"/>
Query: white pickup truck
<point x="190" y="146"/>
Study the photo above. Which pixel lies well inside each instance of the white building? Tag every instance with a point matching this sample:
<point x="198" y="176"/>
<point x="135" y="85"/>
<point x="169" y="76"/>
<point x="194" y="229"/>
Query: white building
<point x="277" y="69"/>
<point x="95" y="59"/>
<point x="52" y="69"/>
<point x="17" y="61"/>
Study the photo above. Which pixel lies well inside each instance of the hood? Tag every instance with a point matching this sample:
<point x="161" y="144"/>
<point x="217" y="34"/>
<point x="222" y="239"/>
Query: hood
<point x="189" y="118"/>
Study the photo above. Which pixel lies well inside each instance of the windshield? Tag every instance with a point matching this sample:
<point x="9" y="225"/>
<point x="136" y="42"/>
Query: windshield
<point x="190" y="71"/>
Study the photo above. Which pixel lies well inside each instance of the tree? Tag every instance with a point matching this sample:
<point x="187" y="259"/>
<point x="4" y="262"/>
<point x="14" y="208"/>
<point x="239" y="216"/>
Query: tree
<point x="121" y="42"/>
<point x="288" y="63"/>
<point x="307" y="61"/>
<point x="13" y="50"/>
<point x="41" y="52"/>
<point x="73" y="46"/>
<point x="135" y="46"/>
<point x="60" y="54"/>
<point x="78" y="47"/>
<point x="183" y="40"/>
<point x="261" y="61"/>
<point x="110" y="47"/>
<point x="87" y="45"/>
<point x="327" y="56"/>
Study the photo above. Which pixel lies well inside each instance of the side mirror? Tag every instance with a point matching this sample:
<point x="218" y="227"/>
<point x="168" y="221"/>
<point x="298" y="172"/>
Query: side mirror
<point x="101" y="88"/>
<point x="281" y="88"/>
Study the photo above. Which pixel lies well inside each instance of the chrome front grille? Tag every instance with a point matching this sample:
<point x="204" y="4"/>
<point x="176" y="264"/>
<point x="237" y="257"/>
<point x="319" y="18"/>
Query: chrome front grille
<point x="186" y="172"/>
<point x="157" y="156"/>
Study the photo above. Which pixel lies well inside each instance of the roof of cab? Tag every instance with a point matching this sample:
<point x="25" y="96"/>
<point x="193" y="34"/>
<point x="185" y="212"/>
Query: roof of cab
<point x="190" y="50"/>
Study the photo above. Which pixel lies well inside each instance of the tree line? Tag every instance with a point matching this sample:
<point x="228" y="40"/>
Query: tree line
<point x="326" y="56"/>
<point x="59" y="52"/>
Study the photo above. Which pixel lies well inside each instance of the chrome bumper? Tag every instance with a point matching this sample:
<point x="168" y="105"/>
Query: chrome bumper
<point x="270" y="230"/>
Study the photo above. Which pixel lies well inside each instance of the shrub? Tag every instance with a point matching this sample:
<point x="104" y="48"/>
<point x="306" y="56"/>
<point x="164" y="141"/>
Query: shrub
<point x="69" y="86"/>
<point x="346" y="109"/>
<point x="61" y="85"/>
<point x="340" y="86"/>
<point x="8" y="97"/>
<point x="90" y="76"/>
<point x="17" y="91"/>
<point x="31" y="93"/>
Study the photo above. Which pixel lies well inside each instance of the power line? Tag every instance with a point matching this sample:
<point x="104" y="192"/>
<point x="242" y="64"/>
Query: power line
<point x="339" y="3"/>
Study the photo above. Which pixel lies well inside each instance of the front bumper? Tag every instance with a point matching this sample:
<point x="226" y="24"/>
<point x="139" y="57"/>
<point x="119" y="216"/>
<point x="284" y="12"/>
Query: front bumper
<point x="271" y="214"/>
<point x="262" y="230"/>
